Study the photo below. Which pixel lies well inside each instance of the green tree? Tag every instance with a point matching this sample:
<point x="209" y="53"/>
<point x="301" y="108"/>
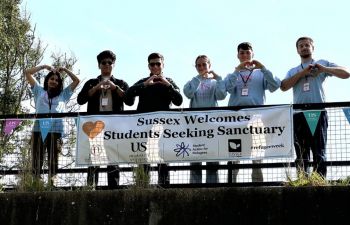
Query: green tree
<point x="19" y="50"/>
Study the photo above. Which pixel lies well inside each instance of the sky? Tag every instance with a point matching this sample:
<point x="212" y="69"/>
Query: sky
<point x="183" y="29"/>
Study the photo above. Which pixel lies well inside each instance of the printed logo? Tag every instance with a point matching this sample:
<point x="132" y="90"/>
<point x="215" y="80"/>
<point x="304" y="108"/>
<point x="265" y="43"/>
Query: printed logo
<point x="182" y="149"/>
<point x="234" y="145"/>
<point x="93" y="129"/>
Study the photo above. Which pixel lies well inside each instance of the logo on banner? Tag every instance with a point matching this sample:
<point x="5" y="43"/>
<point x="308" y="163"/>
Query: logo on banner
<point x="93" y="129"/>
<point x="182" y="149"/>
<point x="235" y="147"/>
<point x="312" y="119"/>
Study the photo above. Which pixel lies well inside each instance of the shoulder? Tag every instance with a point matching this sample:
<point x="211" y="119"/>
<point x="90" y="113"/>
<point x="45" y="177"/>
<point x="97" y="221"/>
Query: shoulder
<point x="92" y="81"/>
<point x="118" y="81"/>
<point x="169" y="79"/>
<point x="293" y="70"/>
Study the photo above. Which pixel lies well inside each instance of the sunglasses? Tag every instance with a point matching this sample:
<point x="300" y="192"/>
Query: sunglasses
<point x="156" y="63"/>
<point x="106" y="63"/>
<point x="201" y="65"/>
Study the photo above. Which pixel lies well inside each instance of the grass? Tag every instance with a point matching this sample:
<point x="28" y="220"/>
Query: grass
<point x="314" y="179"/>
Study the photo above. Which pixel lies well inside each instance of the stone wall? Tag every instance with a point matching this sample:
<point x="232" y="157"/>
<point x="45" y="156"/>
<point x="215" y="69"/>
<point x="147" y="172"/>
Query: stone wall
<point x="218" y="206"/>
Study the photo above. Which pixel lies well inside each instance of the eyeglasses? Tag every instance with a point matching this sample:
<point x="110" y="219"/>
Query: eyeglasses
<point x="156" y="63"/>
<point x="106" y="63"/>
<point x="201" y="65"/>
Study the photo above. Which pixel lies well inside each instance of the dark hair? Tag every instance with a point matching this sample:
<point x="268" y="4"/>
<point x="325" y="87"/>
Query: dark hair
<point x="155" y="55"/>
<point x="304" y="38"/>
<point x="107" y="54"/>
<point x="245" y="46"/>
<point x="58" y="90"/>
<point x="202" y="57"/>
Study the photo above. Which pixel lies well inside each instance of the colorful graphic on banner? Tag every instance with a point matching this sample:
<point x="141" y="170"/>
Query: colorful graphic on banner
<point x="11" y="124"/>
<point x="347" y="113"/>
<point x="312" y="118"/>
<point x="45" y="126"/>
<point x="93" y="129"/>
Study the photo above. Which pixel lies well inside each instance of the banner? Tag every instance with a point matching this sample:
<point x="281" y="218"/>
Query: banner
<point x="189" y="136"/>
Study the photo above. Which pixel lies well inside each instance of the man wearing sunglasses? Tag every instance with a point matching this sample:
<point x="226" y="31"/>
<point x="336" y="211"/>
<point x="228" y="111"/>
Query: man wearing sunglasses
<point x="104" y="94"/>
<point x="156" y="92"/>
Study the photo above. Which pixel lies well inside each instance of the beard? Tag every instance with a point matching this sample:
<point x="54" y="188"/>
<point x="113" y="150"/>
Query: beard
<point x="305" y="56"/>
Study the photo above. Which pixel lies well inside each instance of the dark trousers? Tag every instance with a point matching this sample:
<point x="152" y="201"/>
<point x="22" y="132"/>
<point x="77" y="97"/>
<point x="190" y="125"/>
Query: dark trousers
<point x="196" y="175"/>
<point x="112" y="176"/>
<point x="304" y="141"/>
<point x="51" y="145"/>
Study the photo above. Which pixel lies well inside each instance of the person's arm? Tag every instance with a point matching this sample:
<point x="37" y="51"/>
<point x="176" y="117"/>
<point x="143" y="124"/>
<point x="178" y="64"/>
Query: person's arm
<point x="83" y="96"/>
<point x="230" y="81"/>
<point x="72" y="76"/>
<point x="272" y="83"/>
<point x="176" y="97"/>
<point x="288" y="83"/>
<point x="121" y="92"/>
<point x="29" y="73"/>
<point x="220" y="88"/>
<point x="191" y="87"/>
<point x="338" y="71"/>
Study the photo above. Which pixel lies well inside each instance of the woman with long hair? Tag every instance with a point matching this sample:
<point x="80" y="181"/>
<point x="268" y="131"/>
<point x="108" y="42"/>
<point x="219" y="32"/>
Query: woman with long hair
<point x="51" y="98"/>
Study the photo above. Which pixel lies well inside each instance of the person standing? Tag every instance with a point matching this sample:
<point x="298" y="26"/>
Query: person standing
<point x="204" y="90"/>
<point x="307" y="80"/>
<point x="155" y="92"/>
<point x="105" y="93"/>
<point x="51" y="98"/>
<point x="247" y="86"/>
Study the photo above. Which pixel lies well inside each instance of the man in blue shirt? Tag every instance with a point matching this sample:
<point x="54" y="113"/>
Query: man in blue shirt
<point x="307" y="80"/>
<point x="247" y="85"/>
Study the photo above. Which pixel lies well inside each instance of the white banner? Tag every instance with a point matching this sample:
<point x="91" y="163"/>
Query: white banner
<point x="189" y="136"/>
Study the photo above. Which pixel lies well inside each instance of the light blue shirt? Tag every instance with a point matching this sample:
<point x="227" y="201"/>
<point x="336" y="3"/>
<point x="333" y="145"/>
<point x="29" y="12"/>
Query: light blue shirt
<point x="204" y="92"/>
<point x="315" y="94"/>
<point x="55" y="105"/>
<point x="256" y="82"/>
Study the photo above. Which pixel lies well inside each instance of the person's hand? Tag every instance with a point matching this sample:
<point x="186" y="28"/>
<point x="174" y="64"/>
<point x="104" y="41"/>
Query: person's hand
<point x="315" y="69"/>
<point x="49" y="68"/>
<point x="212" y="75"/>
<point x="155" y="79"/>
<point x="60" y="69"/>
<point x="257" y="64"/>
<point x="246" y="65"/>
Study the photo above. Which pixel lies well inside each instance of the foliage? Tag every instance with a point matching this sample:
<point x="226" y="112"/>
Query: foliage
<point x="141" y="177"/>
<point x="304" y="179"/>
<point x="20" y="50"/>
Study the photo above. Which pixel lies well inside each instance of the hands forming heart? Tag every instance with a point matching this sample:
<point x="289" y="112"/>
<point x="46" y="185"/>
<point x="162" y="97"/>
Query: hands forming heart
<point x="249" y="65"/>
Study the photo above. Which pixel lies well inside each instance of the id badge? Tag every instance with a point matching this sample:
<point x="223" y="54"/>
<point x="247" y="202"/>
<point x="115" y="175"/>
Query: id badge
<point x="245" y="91"/>
<point x="306" y="86"/>
<point x="104" y="101"/>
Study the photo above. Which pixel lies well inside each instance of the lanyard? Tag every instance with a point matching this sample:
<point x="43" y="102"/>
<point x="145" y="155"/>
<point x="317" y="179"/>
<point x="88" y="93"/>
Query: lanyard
<point x="301" y="64"/>
<point x="246" y="80"/>
<point x="50" y="103"/>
